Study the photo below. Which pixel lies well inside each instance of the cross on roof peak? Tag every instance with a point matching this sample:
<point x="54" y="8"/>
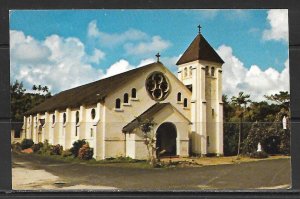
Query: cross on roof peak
<point x="199" y="28"/>
<point x="158" y="56"/>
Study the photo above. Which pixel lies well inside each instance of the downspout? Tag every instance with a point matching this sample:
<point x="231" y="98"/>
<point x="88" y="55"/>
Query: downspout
<point x="125" y="143"/>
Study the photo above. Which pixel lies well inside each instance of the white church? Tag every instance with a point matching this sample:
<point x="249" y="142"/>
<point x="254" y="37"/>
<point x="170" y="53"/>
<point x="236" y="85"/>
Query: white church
<point x="187" y="110"/>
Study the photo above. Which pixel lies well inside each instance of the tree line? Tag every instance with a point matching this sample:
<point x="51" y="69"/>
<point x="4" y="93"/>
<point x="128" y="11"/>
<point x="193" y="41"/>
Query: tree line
<point x="247" y="123"/>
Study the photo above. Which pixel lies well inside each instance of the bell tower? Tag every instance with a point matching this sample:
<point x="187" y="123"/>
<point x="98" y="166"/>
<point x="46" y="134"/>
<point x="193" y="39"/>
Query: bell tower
<point x="200" y="69"/>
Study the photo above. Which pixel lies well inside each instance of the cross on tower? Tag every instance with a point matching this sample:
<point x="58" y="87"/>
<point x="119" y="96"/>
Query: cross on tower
<point x="158" y="56"/>
<point x="199" y="27"/>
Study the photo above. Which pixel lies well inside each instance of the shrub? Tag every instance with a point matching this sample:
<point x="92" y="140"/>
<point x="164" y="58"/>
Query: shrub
<point x="46" y="148"/>
<point x="26" y="143"/>
<point x="76" y="146"/>
<point x="66" y="153"/>
<point x="259" y="155"/>
<point x="85" y="152"/>
<point x="56" y="150"/>
<point x="16" y="147"/>
<point x="37" y="147"/>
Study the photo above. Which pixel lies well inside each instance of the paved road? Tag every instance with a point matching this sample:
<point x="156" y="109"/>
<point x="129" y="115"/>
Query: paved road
<point x="267" y="173"/>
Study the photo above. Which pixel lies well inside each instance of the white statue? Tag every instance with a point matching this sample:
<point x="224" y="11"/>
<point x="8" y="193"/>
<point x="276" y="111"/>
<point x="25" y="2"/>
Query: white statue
<point x="259" y="147"/>
<point x="284" y="122"/>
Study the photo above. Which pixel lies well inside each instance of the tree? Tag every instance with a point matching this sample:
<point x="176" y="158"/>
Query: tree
<point x="34" y="87"/>
<point x="22" y="101"/>
<point x="272" y="136"/>
<point x="39" y="88"/>
<point x="262" y="111"/>
<point x="283" y="98"/>
<point x="45" y="89"/>
<point x="18" y="106"/>
<point x="241" y="103"/>
<point x="146" y="126"/>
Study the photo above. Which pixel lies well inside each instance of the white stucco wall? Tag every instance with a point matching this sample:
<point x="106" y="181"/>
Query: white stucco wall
<point x="116" y="120"/>
<point x="168" y="114"/>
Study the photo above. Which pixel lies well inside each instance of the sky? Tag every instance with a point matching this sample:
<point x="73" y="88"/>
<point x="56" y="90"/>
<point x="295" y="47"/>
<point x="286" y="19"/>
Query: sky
<point x="67" y="48"/>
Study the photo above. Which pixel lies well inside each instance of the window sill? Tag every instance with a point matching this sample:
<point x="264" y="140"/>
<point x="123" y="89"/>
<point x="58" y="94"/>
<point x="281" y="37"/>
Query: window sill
<point x="178" y="102"/>
<point x="134" y="99"/>
<point x="126" y="104"/>
<point x="186" y="108"/>
<point x="119" y="110"/>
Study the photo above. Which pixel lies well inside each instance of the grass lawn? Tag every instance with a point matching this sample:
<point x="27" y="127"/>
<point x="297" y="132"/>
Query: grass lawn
<point x="169" y="162"/>
<point x="116" y="162"/>
<point x="207" y="161"/>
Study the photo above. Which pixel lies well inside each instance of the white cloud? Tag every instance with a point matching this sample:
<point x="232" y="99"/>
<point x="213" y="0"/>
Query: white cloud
<point x="123" y="65"/>
<point x="60" y="63"/>
<point x="26" y="49"/>
<point x="146" y="62"/>
<point x="233" y="14"/>
<point x="157" y="44"/>
<point x="278" y="21"/>
<point x="97" y="56"/>
<point x="170" y="62"/>
<point x="118" y="67"/>
<point x="209" y="13"/>
<point x="108" y="39"/>
<point x="134" y="42"/>
<point x="254" y="81"/>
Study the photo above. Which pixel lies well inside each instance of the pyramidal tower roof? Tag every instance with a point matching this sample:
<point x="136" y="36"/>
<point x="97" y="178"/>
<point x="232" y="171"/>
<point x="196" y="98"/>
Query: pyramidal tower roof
<point x="199" y="49"/>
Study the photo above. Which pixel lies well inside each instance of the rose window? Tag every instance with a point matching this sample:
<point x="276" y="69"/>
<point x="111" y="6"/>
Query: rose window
<point x="157" y="86"/>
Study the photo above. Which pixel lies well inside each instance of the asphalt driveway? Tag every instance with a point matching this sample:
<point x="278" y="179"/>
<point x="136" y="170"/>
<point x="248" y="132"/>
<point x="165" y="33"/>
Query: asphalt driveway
<point x="252" y="175"/>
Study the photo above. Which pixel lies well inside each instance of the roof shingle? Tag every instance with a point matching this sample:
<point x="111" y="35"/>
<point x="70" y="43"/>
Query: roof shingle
<point x="199" y="49"/>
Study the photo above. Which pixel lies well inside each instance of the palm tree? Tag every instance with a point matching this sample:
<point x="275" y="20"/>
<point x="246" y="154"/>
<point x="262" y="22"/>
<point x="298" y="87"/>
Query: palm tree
<point x="34" y="87"/>
<point x="39" y="87"/>
<point x="241" y="102"/>
<point x="45" y="89"/>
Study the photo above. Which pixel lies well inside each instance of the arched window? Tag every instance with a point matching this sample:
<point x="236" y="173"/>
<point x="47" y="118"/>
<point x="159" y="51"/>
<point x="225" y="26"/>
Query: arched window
<point x="77" y="117"/>
<point x="133" y="93"/>
<point x="212" y="71"/>
<point x="126" y="98"/>
<point x="118" y="103"/>
<point x="185" y="103"/>
<point x="93" y="113"/>
<point x="179" y="97"/>
<point x="185" y="72"/>
<point x="191" y="71"/>
<point x="64" y="118"/>
<point x="53" y="119"/>
<point x="206" y="70"/>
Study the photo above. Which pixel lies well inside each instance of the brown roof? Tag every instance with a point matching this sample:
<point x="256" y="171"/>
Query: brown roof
<point x="89" y="93"/>
<point x="148" y="114"/>
<point x="199" y="49"/>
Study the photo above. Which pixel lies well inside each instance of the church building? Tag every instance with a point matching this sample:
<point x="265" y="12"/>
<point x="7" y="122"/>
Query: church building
<point x="187" y="110"/>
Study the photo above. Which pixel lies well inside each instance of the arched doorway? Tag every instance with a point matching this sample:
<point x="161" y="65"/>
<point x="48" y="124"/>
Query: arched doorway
<point x="166" y="139"/>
